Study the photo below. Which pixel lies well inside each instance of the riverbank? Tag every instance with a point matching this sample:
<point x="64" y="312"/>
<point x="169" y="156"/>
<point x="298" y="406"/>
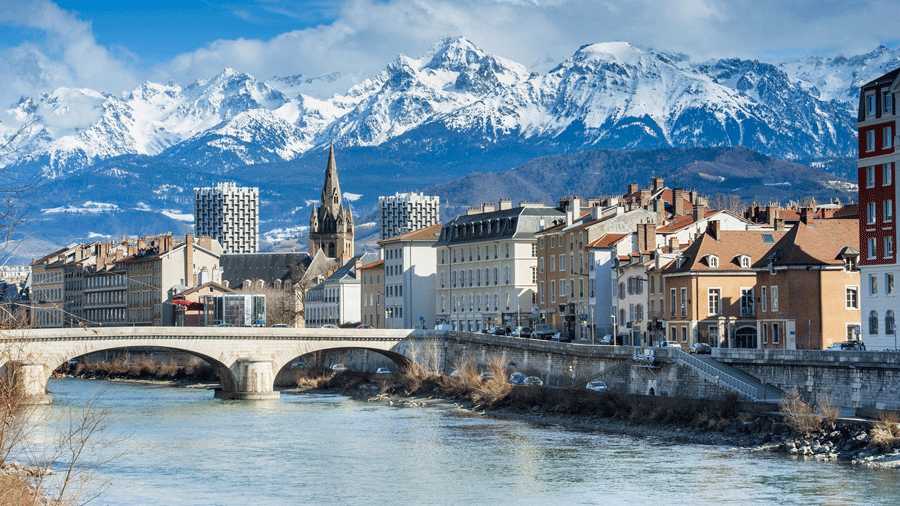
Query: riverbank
<point x="726" y="422"/>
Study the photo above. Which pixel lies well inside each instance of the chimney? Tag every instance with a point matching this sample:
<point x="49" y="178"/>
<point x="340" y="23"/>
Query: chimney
<point x="657" y="184"/>
<point x="678" y="201"/>
<point x="693" y="197"/>
<point x="646" y="237"/>
<point x="473" y="210"/>
<point x="806" y="216"/>
<point x="644" y="198"/>
<point x="699" y="211"/>
<point x="673" y="244"/>
<point x="142" y="243"/>
<point x="505" y="204"/>
<point x="771" y="214"/>
<point x="632" y="188"/>
<point x="189" y="260"/>
<point x="659" y="206"/>
<point x="488" y="208"/>
<point x="712" y="227"/>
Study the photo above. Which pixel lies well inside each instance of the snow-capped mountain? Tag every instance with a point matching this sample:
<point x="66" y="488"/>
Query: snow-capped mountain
<point x="610" y="95"/>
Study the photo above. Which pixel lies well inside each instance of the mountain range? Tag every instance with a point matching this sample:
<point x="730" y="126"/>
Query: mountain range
<point x="127" y="163"/>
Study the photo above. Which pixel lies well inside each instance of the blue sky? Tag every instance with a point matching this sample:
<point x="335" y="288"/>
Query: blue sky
<point x="113" y="46"/>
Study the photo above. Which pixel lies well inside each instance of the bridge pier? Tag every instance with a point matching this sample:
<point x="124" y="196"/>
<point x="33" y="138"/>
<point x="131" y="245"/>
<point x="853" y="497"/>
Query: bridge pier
<point x="26" y="378"/>
<point x="255" y="380"/>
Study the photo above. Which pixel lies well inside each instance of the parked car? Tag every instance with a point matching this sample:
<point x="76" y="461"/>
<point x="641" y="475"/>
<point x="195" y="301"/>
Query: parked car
<point x="443" y="326"/>
<point x="524" y="332"/>
<point x="497" y="331"/>
<point x="487" y="375"/>
<point x="700" y="349"/>
<point x="597" y="386"/>
<point x="543" y="331"/>
<point x="561" y="337"/>
<point x="669" y="344"/>
<point x="365" y="327"/>
<point x="517" y="378"/>
<point x="281" y="326"/>
<point x="533" y="381"/>
<point x="298" y="364"/>
<point x="339" y="367"/>
<point x="383" y="370"/>
<point x="329" y="326"/>
<point x="225" y="325"/>
<point x="607" y="339"/>
<point x="847" y="346"/>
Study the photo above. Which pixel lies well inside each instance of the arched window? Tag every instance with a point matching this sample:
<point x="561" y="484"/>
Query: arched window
<point x="889" y="323"/>
<point x="745" y="337"/>
<point x="873" y="323"/>
<point x="331" y="250"/>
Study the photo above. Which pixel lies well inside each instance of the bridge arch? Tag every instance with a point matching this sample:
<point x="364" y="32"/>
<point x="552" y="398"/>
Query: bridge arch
<point x="281" y="361"/>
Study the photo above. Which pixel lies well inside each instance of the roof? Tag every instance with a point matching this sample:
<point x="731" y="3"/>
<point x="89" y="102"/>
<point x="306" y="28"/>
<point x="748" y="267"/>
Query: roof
<point x="204" y="286"/>
<point x="237" y="267"/>
<point x="607" y="240"/>
<point x="820" y="244"/>
<point x="847" y="211"/>
<point x="731" y="245"/>
<point x="373" y="265"/>
<point x="517" y="222"/>
<point x="684" y="221"/>
<point x="429" y="234"/>
<point x="346" y="272"/>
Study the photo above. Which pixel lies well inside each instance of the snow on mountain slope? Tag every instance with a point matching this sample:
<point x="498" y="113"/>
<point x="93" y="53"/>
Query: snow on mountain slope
<point x="611" y="95"/>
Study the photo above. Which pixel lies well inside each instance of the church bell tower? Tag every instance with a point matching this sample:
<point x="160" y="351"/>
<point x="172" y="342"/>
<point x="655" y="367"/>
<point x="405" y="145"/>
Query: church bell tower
<point x="331" y="224"/>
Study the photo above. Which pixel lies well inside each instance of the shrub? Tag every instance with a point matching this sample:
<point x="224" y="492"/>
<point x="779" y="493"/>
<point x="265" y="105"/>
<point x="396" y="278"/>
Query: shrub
<point x="886" y="432"/>
<point x="799" y="415"/>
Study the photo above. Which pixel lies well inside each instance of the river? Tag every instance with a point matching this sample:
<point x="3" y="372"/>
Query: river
<point x="180" y="446"/>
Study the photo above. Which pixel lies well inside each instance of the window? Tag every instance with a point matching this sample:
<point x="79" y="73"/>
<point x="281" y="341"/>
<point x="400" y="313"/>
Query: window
<point x="888" y="247"/>
<point x="712" y="261"/>
<point x="562" y="263"/>
<point x="621" y="290"/>
<point x="873" y="323"/>
<point x="888" y="210"/>
<point x="889" y="283"/>
<point x="852" y="297"/>
<point x="746" y="301"/>
<point x="889" y="322"/>
<point x="872" y="247"/>
<point x="775" y="333"/>
<point x="506" y="274"/>
<point x="541" y="291"/>
<point x="507" y="250"/>
<point x="672" y="301"/>
<point x="541" y="243"/>
<point x="745" y="262"/>
<point x="870" y="212"/>
<point x="552" y="291"/>
<point x="715" y="301"/>
<point x="886" y="137"/>
<point x="870" y="176"/>
<point x="552" y="263"/>
<point x="870" y="140"/>
<point x="870" y="104"/>
<point x="873" y="284"/>
<point x="887" y="105"/>
<point x="763" y="296"/>
<point x="684" y="302"/>
<point x="542" y="264"/>
<point x="887" y="177"/>
<point x="683" y="334"/>
<point x="765" y="332"/>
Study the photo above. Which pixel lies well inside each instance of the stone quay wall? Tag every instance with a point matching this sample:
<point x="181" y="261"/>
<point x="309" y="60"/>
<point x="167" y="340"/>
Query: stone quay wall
<point x="866" y="380"/>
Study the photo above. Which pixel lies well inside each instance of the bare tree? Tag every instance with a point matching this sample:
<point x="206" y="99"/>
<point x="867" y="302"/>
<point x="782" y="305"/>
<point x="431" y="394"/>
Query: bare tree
<point x="728" y="202"/>
<point x="15" y="189"/>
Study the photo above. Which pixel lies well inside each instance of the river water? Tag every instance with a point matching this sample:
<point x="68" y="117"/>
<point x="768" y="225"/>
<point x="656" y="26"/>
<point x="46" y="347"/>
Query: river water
<point x="180" y="446"/>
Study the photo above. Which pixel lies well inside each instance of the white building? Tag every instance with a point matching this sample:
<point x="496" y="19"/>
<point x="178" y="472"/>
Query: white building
<point x="405" y="212"/>
<point x="229" y="214"/>
<point x="409" y="278"/>
<point x="487" y="265"/>
<point x="335" y="301"/>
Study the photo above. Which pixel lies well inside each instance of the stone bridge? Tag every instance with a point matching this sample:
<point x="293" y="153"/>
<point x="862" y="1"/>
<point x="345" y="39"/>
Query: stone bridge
<point x="246" y="360"/>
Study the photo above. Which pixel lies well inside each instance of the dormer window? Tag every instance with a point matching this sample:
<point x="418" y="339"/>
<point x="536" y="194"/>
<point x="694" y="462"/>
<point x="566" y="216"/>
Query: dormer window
<point x="712" y="261"/>
<point x="744" y="261"/>
<point x="850" y="256"/>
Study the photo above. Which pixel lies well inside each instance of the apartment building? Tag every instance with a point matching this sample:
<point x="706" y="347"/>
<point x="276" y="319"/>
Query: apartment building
<point x="406" y="212"/>
<point x="372" y="306"/>
<point x="336" y="300"/>
<point x="230" y="215"/>
<point x="47" y="289"/>
<point x="877" y="164"/>
<point x="409" y="278"/>
<point x="487" y="265"/>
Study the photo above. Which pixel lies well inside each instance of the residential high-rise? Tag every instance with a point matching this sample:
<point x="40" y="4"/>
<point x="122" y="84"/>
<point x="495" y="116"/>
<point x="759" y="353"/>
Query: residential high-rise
<point x="876" y="166"/>
<point x="405" y="212"/>
<point x="331" y="224"/>
<point x="229" y="214"/>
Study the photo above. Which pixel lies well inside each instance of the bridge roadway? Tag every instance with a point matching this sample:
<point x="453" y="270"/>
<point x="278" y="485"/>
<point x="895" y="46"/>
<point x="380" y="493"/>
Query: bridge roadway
<point x="246" y="359"/>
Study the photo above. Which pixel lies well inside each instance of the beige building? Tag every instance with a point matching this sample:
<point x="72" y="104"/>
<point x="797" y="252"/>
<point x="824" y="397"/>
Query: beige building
<point x="372" y="309"/>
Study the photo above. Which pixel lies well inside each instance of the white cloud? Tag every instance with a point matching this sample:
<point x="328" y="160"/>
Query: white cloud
<point x="66" y="55"/>
<point x="352" y="197"/>
<point x="177" y="215"/>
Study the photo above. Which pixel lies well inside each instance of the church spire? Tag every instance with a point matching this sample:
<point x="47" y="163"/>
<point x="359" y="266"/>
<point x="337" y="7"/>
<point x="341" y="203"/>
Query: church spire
<point x="331" y="192"/>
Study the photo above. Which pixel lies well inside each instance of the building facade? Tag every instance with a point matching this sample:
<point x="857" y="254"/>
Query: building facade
<point x="405" y="212"/>
<point x="877" y="164"/>
<point x="229" y="214"/>
<point x="487" y="265"/>
<point x="409" y="278"/>
<point x="372" y="309"/>
<point x="331" y="224"/>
